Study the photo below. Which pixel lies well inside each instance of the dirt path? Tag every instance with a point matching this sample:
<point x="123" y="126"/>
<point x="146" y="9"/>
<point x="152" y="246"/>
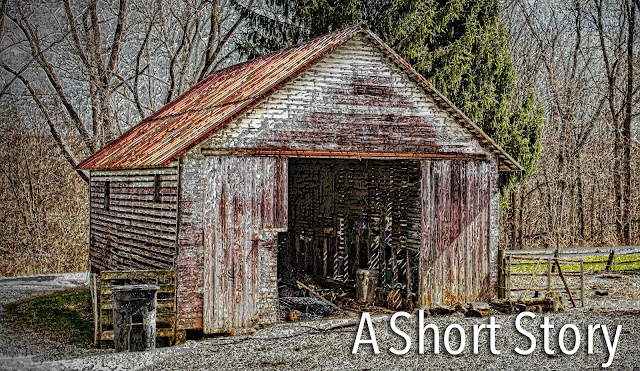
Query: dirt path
<point x="20" y="346"/>
<point x="296" y="347"/>
<point x="299" y="346"/>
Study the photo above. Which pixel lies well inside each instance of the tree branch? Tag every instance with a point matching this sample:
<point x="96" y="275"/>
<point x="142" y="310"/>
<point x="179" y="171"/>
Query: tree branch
<point x="67" y="153"/>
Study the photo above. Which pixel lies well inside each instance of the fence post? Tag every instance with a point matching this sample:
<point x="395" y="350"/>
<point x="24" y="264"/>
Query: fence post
<point x="610" y="261"/>
<point x="548" y="274"/>
<point x="94" y="306"/>
<point x="582" y="283"/>
<point x="502" y="286"/>
<point x="508" y="280"/>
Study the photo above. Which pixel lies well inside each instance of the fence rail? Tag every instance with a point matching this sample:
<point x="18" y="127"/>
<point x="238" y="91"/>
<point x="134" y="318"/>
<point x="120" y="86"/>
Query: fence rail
<point x="616" y="256"/>
<point x="549" y="274"/>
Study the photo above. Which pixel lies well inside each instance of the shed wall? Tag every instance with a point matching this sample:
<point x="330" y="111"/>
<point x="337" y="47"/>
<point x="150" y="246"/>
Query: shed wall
<point x="459" y="246"/>
<point x="190" y="262"/>
<point x="245" y="206"/>
<point x="353" y="101"/>
<point x="136" y="227"/>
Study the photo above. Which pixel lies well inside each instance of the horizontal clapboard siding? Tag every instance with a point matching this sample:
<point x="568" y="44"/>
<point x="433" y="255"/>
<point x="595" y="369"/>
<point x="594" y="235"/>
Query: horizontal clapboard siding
<point x="136" y="227"/>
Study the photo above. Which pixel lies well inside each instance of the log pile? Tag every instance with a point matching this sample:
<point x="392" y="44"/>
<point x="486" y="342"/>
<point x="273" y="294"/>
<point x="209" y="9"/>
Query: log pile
<point x="551" y="302"/>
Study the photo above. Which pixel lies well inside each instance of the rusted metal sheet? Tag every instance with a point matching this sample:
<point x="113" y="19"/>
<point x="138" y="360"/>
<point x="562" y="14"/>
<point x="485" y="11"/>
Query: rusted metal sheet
<point x="455" y="261"/>
<point x="201" y="110"/>
<point x="133" y="219"/>
<point x="224" y="95"/>
<point x="239" y="206"/>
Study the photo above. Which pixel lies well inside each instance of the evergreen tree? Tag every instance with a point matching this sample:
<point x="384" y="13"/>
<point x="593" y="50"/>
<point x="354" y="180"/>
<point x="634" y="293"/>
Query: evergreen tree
<point x="460" y="46"/>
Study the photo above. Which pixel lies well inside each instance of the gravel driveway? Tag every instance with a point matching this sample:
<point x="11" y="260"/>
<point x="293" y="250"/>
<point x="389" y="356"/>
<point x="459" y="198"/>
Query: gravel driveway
<point x="19" y="345"/>
<point x="307" y="346"/>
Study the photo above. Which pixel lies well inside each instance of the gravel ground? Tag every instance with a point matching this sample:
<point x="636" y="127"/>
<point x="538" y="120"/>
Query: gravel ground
<point x="20" y="345"/>
<point x="288" y="347"/>
<point x="308" y="346"/>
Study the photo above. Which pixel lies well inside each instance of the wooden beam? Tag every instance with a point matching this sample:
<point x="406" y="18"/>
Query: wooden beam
<point x="339" y="154"/>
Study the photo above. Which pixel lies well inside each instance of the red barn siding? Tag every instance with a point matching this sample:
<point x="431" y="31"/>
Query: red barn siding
<point x="456" y="260"/>
<point x="245" y="205"/>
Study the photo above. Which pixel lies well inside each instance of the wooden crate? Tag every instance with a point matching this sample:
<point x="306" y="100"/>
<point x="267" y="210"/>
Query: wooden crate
<point x="166" y="310"/>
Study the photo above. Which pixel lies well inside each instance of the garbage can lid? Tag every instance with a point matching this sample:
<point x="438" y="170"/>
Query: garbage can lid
<point x="135" y="288"/>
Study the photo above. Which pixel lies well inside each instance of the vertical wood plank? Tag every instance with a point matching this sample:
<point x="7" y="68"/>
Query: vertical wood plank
<point x="240" y="200"/>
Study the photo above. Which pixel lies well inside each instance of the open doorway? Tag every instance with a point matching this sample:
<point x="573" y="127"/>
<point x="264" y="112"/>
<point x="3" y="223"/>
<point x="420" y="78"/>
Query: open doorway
<point x="346" y="215"/>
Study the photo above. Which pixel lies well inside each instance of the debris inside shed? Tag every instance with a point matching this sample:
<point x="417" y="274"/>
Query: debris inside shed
<point x="350" y="216"/>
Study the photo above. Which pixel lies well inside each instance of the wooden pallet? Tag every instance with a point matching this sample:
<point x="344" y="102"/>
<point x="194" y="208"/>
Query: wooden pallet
<point x="166" y="310"/>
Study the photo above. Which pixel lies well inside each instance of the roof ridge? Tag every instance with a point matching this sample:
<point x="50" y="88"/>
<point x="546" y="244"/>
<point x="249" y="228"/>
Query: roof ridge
<point x="223" y="95"/>
<point x="356" y="27"/>
<point x="353" y="28"/>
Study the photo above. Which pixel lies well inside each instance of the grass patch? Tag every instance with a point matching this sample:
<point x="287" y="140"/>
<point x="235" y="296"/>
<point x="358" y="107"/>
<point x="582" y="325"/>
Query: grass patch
<point x="591" y="263"/>
<point x="65" y="316"/>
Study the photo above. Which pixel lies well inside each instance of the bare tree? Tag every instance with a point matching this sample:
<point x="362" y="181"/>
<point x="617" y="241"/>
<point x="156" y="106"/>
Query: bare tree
<point x="616" y="28"/>
<point x="582" y="72"/>
<point x="98" y="68"/>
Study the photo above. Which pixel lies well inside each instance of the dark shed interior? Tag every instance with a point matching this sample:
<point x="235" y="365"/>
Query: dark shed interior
<point x="350" y="214"/>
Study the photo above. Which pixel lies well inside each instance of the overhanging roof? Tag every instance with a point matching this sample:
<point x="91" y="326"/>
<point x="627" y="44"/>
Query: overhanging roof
<point x="209" y="105"/>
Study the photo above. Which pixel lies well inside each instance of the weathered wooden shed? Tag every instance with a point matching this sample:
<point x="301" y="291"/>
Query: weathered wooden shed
<point x="324" y="157"/>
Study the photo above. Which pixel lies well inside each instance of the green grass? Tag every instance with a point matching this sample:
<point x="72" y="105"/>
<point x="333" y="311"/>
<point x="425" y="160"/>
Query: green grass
<point x="65" y="316"/>
<point x="591" y="263"/>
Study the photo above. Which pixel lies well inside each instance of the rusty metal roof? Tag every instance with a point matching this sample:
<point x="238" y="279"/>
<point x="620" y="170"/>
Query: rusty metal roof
<point x="162" y="137"/>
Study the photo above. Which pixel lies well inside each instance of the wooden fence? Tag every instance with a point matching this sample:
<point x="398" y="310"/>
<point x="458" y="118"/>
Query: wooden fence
<point x="565" y="276"/>
<point x="103" y="307"/>
<point x="617" y="257"/>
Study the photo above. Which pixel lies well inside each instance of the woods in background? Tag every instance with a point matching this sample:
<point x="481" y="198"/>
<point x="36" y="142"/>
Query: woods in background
<point x="76" y="74"/>
<point x="582" y="59"/>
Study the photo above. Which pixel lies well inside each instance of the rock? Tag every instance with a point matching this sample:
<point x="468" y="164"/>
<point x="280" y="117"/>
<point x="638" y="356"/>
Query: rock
<point x="602" y="293"/>
<point x="440" y="310"/>
<point x="243" y="331"/>
<point x="460" y="308"/>
<point x="476" y="313"/>
<point x="292" y="316"/>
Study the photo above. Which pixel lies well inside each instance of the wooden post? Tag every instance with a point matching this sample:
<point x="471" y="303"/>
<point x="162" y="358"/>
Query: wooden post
<point x="533" y="276"/>
<point x="94" y="305"/>
<point x="565" y="283"/>
<point x="501" y="280"/>
<point x="356" y="263"/>
<point x="296" y="243"/>
<point x="394" y="268"/>
<point x="382" y="248"/>
<point x="508" y="280"/>
<point x="548" y="274"/>
<point x="368" y="243"/>
<point x="514" y="224"/>
<point x="325" y="251"/>
<point x="582" y="283"/>
<point x="408" y="273"/>
<point x="610" y="261"/>
<point x="307" y="252"/>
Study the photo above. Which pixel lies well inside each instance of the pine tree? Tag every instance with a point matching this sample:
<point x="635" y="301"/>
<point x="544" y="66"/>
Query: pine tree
<point x="460" y="46"/>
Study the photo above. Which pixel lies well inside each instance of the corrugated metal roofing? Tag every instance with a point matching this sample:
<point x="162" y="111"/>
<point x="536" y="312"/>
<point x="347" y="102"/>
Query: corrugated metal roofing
<point x="166" y="134"/>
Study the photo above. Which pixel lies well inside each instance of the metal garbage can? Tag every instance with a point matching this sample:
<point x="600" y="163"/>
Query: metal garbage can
<point x="366" y="283"/>
<point x="134" y="317"/>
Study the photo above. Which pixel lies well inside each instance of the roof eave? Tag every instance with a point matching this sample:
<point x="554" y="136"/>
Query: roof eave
<point x="503" y="156"/>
